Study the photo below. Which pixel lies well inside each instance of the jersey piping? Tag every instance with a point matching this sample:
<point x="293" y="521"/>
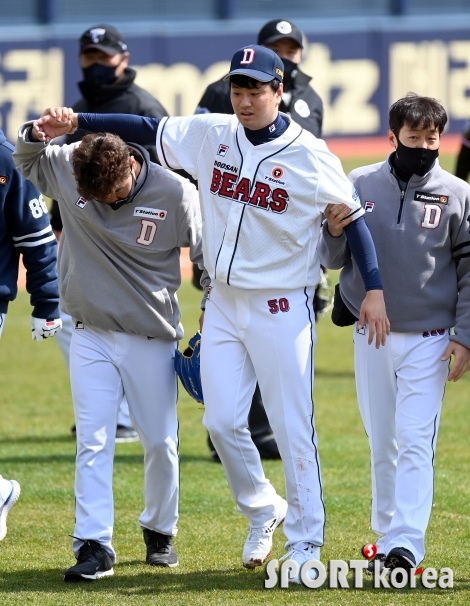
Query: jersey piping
<point x="164" y="123"/>
<point x="313" y="408"/>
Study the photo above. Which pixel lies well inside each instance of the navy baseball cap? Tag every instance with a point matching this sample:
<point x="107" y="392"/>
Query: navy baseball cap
<point x="105" y="38"/>
<point x="257" y="62"/>
<point x="279" y="29"/>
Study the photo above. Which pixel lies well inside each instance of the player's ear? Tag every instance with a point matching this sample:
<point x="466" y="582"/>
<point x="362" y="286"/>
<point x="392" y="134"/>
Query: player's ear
<point x="392" y="139"/>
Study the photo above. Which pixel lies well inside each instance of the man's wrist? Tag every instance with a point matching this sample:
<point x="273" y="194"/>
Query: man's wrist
<point x="332" y="235"/>
<point x="31" y="135"/>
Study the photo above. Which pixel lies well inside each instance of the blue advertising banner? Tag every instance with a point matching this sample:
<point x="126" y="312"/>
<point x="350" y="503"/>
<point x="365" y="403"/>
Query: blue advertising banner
<point x="357" y="74"/>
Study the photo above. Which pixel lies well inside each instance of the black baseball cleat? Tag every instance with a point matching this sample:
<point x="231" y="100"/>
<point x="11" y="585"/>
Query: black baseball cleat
<point x="266" y="445"/>
<point x="379" y="557"/>
<point x="126" y="434"/>
<point x="93" y="562"/>
<point x="160" y="550"/>
<point x="400" y="557"/>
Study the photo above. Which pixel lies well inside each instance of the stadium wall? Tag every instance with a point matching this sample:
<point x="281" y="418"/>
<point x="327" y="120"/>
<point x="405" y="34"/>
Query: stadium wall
<point x="358" y="73"/>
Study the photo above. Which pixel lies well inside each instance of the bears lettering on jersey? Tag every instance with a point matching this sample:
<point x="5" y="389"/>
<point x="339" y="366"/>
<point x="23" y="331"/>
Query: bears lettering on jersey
<point x="259" y="194"/>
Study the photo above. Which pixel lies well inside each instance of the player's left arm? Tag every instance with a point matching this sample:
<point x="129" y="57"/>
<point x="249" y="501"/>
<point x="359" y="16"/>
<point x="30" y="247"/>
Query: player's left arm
<point x="459" y="345"/>
<point x="372" y="309"/>
<point x="32" y="235"/>
<point x="58" y="121"/>
<point x="334" y="188"/>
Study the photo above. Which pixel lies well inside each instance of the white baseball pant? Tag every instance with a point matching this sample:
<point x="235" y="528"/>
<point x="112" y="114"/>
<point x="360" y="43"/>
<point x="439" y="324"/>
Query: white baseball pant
<point x="63" y="338"/>
<point x="268" y="336"/>
<point x="400" y="389"/>
<point x="104" y="364"/>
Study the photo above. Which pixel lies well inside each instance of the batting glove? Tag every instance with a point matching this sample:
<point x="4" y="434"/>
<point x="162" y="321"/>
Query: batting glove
<point x="2" y="323"/>
<point x="42" y="329"/>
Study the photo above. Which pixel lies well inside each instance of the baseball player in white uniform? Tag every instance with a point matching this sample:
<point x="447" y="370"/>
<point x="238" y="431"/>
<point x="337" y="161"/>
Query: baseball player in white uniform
<point x="419" y="217"/>
<point x="125" y="219"/>
<point x="263" y="184"/>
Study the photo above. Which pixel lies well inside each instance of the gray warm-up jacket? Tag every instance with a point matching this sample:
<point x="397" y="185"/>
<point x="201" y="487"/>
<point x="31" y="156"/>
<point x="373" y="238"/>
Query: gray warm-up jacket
<point x="422" y="238"/>
<point x="118" y="269"/>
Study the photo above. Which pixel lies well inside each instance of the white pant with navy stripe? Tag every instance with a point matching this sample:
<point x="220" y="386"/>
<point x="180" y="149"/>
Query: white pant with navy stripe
<point x="400" y="389"/>
<point x="104" y="364"/>
<point x="268" y="336"/>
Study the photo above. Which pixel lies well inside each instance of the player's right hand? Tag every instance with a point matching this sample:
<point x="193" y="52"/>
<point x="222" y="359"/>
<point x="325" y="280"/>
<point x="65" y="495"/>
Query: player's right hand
<point x="54" y="122"/>
<point x="42" y="329"/>
<point x="373" y="311"/>
<point x="337" y="218"/>
<point x="461" y="358"/>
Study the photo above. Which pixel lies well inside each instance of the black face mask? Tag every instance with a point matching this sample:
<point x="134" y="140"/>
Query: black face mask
<point x="130" y="196"/>
<point x="290" y="72"/>
<point x="98" y="75"/>
<point x="413" y="160"/>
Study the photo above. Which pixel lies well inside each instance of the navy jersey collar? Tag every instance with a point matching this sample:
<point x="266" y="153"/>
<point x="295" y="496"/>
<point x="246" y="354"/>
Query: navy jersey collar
<point x="268" y="133"/>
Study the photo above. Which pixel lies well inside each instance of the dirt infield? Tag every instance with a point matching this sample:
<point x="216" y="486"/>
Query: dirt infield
<point x="357" y="147"/>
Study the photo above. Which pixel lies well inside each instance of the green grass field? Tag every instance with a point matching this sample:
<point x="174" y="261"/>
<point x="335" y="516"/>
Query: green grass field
<point x="38" y="450"/>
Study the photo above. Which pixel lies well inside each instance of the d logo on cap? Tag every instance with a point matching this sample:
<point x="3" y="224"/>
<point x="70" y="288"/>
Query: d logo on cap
<point x="248" y="56"/>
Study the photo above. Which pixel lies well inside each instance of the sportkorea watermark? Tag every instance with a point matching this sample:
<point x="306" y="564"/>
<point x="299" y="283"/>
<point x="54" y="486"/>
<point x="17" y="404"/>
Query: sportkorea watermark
<point x="313" y="574"/>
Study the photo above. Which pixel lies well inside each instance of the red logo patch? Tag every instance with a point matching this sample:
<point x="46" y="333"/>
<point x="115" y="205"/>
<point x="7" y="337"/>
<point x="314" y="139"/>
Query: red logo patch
<point x="3" y="180"/>
<point x="369" y="551"/>
<point x="277" y="172"/>
<point x="222" y="150"/>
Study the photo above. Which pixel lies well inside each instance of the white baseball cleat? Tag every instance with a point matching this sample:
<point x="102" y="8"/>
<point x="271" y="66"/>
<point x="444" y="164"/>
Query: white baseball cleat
<point x="259" y="542"/>
<point x="7" y="505"/>
<point x="312" y="552"/>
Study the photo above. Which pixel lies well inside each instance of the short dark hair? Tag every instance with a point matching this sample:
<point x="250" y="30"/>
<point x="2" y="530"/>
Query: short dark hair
<point x="100" y="162"/>
<point x="415" y="111"/>
<point x="247" y="82"/>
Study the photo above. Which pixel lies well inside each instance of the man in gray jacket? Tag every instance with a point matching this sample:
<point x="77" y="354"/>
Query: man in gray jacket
<point x="125" y="220"/>
<point x="418" y="215"/>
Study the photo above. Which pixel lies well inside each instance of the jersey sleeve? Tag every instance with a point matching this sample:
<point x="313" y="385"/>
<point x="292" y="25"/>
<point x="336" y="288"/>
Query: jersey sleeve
<point x="333" y="251"/>
<point x="333" y="185"/>
<point x="131" y="128"/>
<point x="363" y="251"/>
<point x="32" y="236"/>
<point x="41" y="164"/>
<point x="180" y="141"/>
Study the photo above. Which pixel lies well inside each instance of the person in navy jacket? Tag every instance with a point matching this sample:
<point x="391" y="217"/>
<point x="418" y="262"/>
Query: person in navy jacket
<point x="25" y="229"/>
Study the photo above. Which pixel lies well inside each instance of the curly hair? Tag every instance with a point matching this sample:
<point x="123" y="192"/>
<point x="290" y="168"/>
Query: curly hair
<point x="100" y="163"/>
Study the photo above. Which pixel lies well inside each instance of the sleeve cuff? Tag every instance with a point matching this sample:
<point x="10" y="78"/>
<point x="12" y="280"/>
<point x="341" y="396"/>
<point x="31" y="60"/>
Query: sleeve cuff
<point x="46" y="311"/>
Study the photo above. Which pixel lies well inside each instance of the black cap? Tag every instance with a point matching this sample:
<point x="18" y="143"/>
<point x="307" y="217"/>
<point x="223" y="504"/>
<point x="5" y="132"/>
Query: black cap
<point x="105" y="38"/>
<point x="257" y="62"/>
<point x="279" y="29"/>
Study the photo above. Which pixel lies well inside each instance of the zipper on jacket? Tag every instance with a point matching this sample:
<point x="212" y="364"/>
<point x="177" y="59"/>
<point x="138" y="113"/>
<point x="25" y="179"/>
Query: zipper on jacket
<point x="402" y="198"/>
